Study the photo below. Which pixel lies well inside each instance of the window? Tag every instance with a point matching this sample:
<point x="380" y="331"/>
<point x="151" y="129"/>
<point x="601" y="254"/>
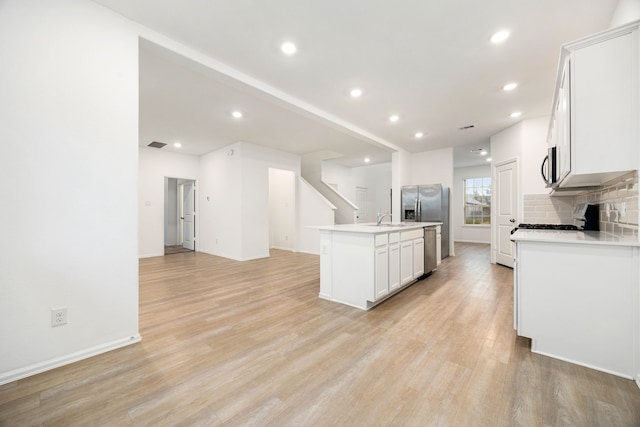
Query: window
<point x="477" y="201"/>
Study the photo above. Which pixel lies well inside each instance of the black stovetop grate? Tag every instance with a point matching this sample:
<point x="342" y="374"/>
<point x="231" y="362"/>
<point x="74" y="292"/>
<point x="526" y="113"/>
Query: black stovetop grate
<point x="545" y="227"/>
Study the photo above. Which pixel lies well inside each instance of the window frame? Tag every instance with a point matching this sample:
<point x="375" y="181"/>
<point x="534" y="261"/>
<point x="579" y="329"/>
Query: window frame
<point x="484" y="188"/>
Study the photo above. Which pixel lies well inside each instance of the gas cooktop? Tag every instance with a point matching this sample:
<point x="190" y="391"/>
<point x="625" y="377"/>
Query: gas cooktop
<point x="545" y="227"/>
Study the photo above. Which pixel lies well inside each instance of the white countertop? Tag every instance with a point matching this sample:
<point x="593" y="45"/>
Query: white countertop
<point x="372" y="228"/>
<point x="570" y="236"/>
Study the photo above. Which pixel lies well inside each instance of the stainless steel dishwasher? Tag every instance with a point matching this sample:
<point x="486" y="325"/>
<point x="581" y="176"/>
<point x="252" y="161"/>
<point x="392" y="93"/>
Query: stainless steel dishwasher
<point x="430" y="257"/>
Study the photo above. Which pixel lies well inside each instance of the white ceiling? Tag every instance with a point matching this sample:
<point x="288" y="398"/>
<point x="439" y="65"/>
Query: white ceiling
<point x="428" y="61"/>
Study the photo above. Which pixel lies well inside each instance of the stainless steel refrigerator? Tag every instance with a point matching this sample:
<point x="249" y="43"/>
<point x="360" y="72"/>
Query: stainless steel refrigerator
<point x="427" y="203"/>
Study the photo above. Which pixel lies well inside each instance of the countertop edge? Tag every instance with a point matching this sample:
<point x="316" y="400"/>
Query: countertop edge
<point x="574" y="237"/>
<point x="371" y="228"/>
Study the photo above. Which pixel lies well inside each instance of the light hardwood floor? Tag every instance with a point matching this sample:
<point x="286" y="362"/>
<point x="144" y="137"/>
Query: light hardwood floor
<point x="250" y="343"/>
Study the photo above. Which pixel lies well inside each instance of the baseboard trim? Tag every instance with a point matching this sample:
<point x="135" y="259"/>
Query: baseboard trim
<point x="150" y="255"/>
<point x="37" y="368"/>
<point x="586" y="365"/>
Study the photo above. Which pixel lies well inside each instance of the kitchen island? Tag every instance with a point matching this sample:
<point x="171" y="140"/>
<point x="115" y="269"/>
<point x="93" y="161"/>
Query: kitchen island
<point x="361" y="265"/>
<point x="576" y="295"/>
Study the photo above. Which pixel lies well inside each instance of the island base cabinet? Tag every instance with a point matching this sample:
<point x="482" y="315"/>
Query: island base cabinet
<point x="579" y="303"/>
<point x="382" y="272"/>
<point x="394" y="266"/>
<point x="362" y="269"/>
<point x="406" y="262"/>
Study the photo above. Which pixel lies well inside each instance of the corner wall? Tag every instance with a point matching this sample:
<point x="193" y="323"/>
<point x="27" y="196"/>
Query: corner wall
<point x="69" y="159"/>
<point x="234" y="199"/>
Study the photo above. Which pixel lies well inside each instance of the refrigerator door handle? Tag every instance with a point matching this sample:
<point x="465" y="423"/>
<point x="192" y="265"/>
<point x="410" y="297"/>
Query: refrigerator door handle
<point x="419" y="211"/>
<point x="415" y="210"/>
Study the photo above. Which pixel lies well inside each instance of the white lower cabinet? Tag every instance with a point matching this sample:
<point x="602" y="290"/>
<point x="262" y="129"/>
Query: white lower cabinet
<point x="418" y="257"/>
<point x="394" y="261"/>
<point x="438" y="245"/>
<point x="406" y="262"/>
<point x="578" y="303"/>
<point x="382" y="271"/>
<point x="361" y="269"/>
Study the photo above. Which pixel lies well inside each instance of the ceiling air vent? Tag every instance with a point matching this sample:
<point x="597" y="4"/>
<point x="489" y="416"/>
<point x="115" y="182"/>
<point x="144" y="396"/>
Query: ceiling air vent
<point x="467" y="127"/>
<point x="156" y="144"/>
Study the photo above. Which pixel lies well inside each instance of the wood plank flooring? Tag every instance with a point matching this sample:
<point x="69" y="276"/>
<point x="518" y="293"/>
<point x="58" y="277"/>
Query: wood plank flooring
<point x="250" y="343"/>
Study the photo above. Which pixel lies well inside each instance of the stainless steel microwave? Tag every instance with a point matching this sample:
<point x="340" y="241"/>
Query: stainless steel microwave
<point x="550" y="169"/>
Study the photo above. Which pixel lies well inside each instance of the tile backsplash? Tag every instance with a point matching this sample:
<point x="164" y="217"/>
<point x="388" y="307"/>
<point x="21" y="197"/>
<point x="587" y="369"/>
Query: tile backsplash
<point x="544" y="209"/>
<point x="620" y="194"/>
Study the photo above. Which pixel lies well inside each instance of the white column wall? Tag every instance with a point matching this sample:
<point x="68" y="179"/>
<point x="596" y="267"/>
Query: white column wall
<point x="534" y="149"/>
<point x="257" y="161"/>
<point x="69" y="161"/>
<point x="220" y="200"/>
<point x="234" y="199"/>
<point x="400" y="176"/>
<point x="433" y="167"/>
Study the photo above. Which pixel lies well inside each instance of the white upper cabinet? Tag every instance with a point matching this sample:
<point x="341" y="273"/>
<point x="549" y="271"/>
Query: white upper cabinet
<point x="595" y="116"/>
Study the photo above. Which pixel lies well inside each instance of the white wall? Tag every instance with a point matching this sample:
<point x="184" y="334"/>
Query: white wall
<point x="524" y="142"/>
<point x="313" y="210"/>
<point x="436" y="167"/>
<point x="467" y="233"/>
<point x="400" y="176"/>
<point x="234" y="199"/>
<point x="170" y="211"/>
<point x="256" y="162"/>
<point x="626" y="11"/>
<point x="282" y="209"/>
<point x="68" y="157"/>
<point x="220" y="200"/>
<point x="377" y="180"/>
<point x="153" y="166"/>
<point x="534" y="149"/>
<point x="433" y="167"/>
<point x="340" y="176"/>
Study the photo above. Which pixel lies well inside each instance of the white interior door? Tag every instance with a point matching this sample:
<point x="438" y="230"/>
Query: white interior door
<point x="180" y="215"/>
<point x="188" y="215"/>
<point x="362" y="201"/>
<point x="506" y="211"/>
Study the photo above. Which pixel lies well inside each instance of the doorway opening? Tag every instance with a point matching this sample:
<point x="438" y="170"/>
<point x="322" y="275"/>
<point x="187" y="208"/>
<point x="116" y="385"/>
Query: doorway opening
<point x="179" y="215"/>
<point x="282" y="203"/>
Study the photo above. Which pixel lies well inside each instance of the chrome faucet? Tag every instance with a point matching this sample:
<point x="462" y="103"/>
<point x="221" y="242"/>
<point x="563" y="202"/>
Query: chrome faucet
<point x="381" y="216"/>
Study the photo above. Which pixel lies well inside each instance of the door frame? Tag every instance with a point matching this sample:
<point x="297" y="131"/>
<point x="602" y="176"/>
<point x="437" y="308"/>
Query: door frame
<point x="178" y="225"/>
<point x="495" y="230"/>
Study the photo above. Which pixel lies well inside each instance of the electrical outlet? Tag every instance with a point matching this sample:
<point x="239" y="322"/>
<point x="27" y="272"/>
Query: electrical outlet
<point x="58" y="316"/>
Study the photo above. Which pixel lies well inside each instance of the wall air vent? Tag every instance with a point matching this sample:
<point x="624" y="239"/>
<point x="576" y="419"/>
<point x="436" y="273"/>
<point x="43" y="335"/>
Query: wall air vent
<point x="467" y="127"/>
<point x="156" y="144"/>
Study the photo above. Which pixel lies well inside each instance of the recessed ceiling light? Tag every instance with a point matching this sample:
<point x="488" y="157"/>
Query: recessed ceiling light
<point x="515" y="114"/>
<point x="499" y="37"/>
<point x="510" y="86"/>
<point x="483" y="153"/>
<point x="237" y="114"/>
<point x="288" y="48"/>
<point x="394" y="118"/>
<point x="177" y="145"/>
<point x="488" y="159"/>
<point x="367" y="160"/>
<point x="356" y="92"/>
<point x="419" y="134"/>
